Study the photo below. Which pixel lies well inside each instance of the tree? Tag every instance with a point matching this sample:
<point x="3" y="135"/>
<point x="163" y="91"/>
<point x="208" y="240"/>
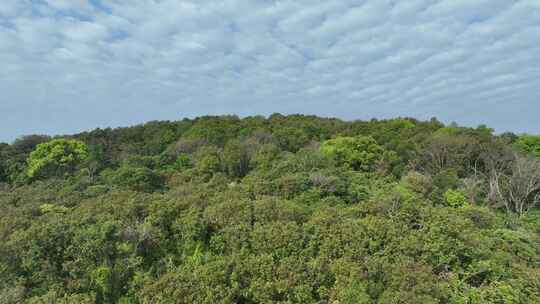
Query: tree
<point x="237" y="157"/>
<point x="450" y="148"/>
<point x="136" y="178"/>
<point x="496" y="158"/>
<point x="28" y="143"/>
<point x="56" y="158"/>
<point x="418" y="182"/>
<point x="513" y="179"/>
<point x="3" y="163"/>
<point x="529" y="144"/>
<point x="361" y="153"/>
<point x="208" y="161"/>
<point x="521" y="189"/>
<point x="243" y="211"/>
<point x="214" y="129"/>
<point x="13" y="157"/>
<point x="291" y="138"/>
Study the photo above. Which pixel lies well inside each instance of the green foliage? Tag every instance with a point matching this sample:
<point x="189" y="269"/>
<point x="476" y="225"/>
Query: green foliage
<point x="50" y="208"/>
<point x="214" y="130"/>
<point x="418" y="182"/>
<point x="291" y="139"/>
<point x="237" y="158"/>
<point x="56" y="158"/>
<point x="3" y="163"/>
<point x="135" y="178"/>
<point x="358" y="153"/>
<point x="529" y="144"/>
<point x="456" y="198"/>
<point x="182" y="162"/>
<point x="285" y="209"/>
<point x="27" y="144"/>
<point x="102" y="279"/>
<point x="532" y="221"/>
<point x="208" y="162"/>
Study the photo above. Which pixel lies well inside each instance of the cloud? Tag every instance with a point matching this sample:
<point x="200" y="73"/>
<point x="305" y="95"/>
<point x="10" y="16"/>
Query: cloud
<point x="75" y="5"/>
<point x="79" y="64"/>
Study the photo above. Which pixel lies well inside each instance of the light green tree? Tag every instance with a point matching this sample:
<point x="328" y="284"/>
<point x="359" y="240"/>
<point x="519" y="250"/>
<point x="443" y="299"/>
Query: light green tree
<point x="361" y="153"/>
<point x="529" y="144"/>
<point x="56" y="158"/>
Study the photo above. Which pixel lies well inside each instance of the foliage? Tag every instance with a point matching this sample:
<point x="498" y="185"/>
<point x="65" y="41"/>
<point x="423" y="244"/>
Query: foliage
<point x="358" y="153"/>
<point x="529" y="144"/>
<point x="208" y="161"/>
<point x="50" y="208"/>
<point x="136" y="178"/>
<point x="418" y="182"/>
<point x="284" y="209"/>
<point x="456" y="198"/>
<point x="56" y="158"/>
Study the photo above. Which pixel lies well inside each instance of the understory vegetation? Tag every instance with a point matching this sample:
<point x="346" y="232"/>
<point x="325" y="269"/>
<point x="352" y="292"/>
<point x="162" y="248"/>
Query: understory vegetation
<point x="284" y="209"/>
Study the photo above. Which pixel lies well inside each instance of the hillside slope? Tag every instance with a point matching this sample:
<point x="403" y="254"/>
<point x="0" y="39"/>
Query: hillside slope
<point x="285" y="209"/>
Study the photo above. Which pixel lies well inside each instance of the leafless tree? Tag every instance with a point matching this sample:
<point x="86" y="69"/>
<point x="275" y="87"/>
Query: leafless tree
<point x="513" y="180"/>
<point x="497" y="159"/>
<point x="523" y="185"/>
<point x="471" y="186"/>
<point x="450" y="151"/>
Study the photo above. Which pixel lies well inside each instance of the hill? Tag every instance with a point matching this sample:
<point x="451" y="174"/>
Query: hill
<point x="284" y="209"/>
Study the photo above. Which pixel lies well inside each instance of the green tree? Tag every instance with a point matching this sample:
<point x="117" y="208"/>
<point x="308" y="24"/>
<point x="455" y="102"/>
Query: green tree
<point x="529" y="144"/>
<point x="28" y="143"/>
<point x="56" y="158"/>
<point x="208" y="161"/>
<point x="136" y="178"/>
<point x="361" y="153"/>
<point x="3" y="163"/>
<point x="254" y="210"/>
<point x="291" y="138"/>
<point x="237" y="157"/>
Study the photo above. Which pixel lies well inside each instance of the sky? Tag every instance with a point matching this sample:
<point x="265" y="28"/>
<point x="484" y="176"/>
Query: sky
<point x="72" y="65"/>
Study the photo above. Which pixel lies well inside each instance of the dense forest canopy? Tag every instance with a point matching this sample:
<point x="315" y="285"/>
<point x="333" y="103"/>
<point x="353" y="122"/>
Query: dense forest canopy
<point x="284" y="209"/>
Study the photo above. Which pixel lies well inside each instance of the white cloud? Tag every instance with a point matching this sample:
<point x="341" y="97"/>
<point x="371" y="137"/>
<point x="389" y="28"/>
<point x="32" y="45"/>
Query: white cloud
<point x="78" y="5"/>
<point x="9" y="8"/>
<point x="87" y="63"/>
<point x="83" y="31"/>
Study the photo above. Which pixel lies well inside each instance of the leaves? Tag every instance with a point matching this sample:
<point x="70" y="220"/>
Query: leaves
<point x="358" y="153"/>
<point x="56" y="158"/>
<point x="289" y="209"/>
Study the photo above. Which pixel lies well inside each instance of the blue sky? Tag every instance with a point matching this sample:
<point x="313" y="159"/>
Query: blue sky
<point x="71" y="65"/>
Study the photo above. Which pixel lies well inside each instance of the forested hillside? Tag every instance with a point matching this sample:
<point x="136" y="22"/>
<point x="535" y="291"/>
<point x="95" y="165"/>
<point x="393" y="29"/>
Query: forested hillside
<point x="284" y="209"/>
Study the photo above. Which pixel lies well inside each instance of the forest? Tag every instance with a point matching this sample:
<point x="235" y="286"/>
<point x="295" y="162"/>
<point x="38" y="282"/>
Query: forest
<point x="277" y="209"/>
